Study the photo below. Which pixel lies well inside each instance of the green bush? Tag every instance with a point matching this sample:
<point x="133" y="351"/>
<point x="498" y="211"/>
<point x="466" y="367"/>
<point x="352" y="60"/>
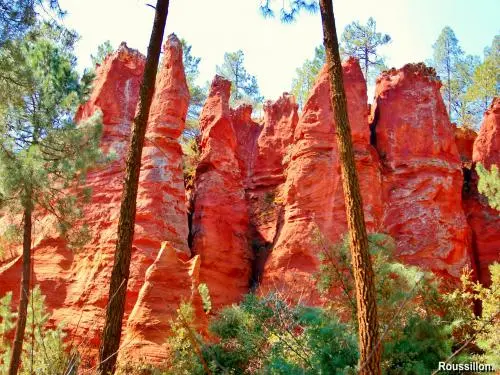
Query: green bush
<point x="489" y="184"/>
<point x="43" y="351"/>
<point x="421" y="323"/>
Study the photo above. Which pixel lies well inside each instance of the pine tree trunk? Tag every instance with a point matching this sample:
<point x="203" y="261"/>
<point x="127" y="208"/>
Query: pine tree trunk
<point x="368" y="334"/>
<point x="17" y="345"/>
<point x="121" y="268"/>
<point x="366" y="64"/>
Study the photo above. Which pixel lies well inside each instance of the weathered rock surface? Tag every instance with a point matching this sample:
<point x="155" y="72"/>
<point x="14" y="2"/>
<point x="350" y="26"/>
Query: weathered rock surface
<point x="263" y="191"/>
<point x="161" y="210"/>
<point x="422" y="176"/>
<point x="246" y="132"/>
<point x="272" y="186"/>
<point x="169" y="281"/>
<point x="161" y="216"/>
<point x="313" y="197"/>
<point x="464" y="138"/>
<point x="84" y="287"/>
<point x="76" y="284"/>
<point x="484" y="220"/>
<point x="220" y="219"/>
<point x="487" y="143"/>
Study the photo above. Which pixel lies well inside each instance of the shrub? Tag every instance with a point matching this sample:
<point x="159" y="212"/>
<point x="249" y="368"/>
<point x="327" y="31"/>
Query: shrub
<point x="421" y="323"/>
<point x="489" y="184"/>
<point x="44" y="352"/>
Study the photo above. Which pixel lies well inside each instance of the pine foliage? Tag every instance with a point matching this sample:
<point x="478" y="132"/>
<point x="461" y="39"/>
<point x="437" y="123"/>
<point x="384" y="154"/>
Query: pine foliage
<point x="44" y="155"/>
<point x="44" y="351"/>
<point x="489" y="184"/>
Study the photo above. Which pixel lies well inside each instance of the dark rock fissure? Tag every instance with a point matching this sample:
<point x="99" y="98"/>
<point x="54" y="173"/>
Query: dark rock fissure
<point x="373" y="129"/>
<point x="190" y="228"/>
<point x="260" y="249"/>
<point x="466" y="187"/>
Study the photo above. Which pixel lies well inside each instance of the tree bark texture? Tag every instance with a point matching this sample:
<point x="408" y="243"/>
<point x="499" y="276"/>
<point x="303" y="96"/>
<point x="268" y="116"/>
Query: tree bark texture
<point x="17" y="344"/>
<point x="108" y="352"/>
<point x="368" y="332"/>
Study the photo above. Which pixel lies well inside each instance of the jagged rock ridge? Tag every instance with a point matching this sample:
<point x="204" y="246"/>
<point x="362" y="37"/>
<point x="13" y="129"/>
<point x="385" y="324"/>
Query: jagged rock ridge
<point x="263" y="191"/>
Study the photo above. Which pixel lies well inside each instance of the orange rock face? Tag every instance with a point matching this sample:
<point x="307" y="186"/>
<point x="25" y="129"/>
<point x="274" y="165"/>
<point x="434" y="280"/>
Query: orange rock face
<point x="422" y="177"/>
<point x="161" y="216"/>
<point x="312" y="193"/>
<point x="487" y="143"/>
<point x="220" y="219"/>
<point x="76" y="284"/>
<point x="169" y="281"/>
<point x="464" y="138"/>
<point x="484" y="220"/>
<point x="263" y="191"/>
<point x="246" y="132"/>
<point x="161" y="212"/>
<point x="267" y="197"/>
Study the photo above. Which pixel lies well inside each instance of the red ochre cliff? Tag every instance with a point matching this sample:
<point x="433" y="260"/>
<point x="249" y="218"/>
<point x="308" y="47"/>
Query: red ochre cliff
<point x="266" y="194"/>
<point x="484" y="220"/>
<point x="421" y="171"/>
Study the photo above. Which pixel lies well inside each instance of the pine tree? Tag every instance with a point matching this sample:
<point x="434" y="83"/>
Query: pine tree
<point x="489" y="184"/>
<point x="447" y="54"/>
<point x="368" y="331"/>
<point x="198" y="94"/>
<point x="465" y="109"/>
<point x="103" y="50"/>
<point x="306" y="76"/>
<point x="486" y="78"/>
<point x="244" y="85"/>
<point x="121" y="266"/>
<point x="17" y="17"/>
<point x="43" y="154"/>
<point x="362" y="41"/>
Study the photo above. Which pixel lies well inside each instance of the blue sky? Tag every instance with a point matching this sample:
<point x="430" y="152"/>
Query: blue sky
<point x="273" y="50"/>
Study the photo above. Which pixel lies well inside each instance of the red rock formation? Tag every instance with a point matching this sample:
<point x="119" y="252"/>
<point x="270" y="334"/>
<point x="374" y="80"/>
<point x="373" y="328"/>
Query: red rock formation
<point x="263" y="191"/>
<point x="464" y="138"/>
<point x="422" y="177"/>
<point x="484" y="220"/>
<point x="161" y="210"/>
<point x="169" y="281"/>
<point x="274" y="184"/>
<point x="161" y="216"/>
<point x="487" y="143"/>
<point x="76" y="284"/>
<point x="246" y="132"/>
<point x="220" y="220"/>
<point x="115" y="93"/>
<point x="313" y="197"/>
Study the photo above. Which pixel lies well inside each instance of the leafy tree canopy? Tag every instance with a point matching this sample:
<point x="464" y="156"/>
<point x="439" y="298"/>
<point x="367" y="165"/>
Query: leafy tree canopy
<point x="489" y="184"/>
<point x="289" y="10"/>
<point x="486" y="77"/>
<point x="244" y="85"/>
<point x="17" y="17"/>
<point x="307" y="74"/>
<point x="446" y="57"/>
<point x="197" y="92"/>
<point x="361" y="41"/>
<point x="103" y="50"/>
<point x="42" y="151"/>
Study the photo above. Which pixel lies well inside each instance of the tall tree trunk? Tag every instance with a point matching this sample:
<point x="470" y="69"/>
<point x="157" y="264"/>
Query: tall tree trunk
<point x="448" y="71"/>
<point x="17" y="344"/>
<point x="449" y="92"/>
<point x="121" y="268"/>
<point x="366" y="64"/>
<point x="368" y="334"/>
